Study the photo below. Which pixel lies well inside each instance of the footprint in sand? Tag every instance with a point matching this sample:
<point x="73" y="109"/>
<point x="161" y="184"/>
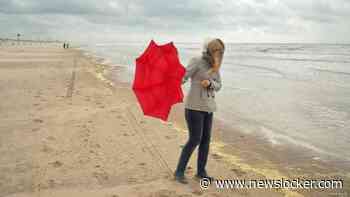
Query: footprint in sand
<point x="97" y="146"/>
<point x="46" y="149"/>
<point x="38" y="120"/>
<point x="35" y="129"/>
<point x="51" y="183"/>
<point x="56" y="164"/>
<point x="51" y="138"/>
<point x="216" y="156"/>
<point x="238" y="172"/>
<point x="164" y="193"/>
<point x="168" y="137"/>
<point x="132" y="180"/>
<point x="197" y="192"/>
<point x="101" y="176"/>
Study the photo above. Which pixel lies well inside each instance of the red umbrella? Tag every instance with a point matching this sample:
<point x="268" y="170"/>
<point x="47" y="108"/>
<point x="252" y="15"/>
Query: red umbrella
<point x="158" y="77"/>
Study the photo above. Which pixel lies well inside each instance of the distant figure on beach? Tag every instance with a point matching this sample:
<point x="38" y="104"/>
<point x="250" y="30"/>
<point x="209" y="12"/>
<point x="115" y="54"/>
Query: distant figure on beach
<point x="65" y="45"/>
<point x="200" y="105"/>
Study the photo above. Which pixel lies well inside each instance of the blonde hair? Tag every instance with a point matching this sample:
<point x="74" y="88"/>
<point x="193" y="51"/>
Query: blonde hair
<point x="205" y="51"/>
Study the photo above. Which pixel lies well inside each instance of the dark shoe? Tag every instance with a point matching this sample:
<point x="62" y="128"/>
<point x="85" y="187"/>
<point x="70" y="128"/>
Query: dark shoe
<point x="180" y="179"/>
<point x="204" y="175"/>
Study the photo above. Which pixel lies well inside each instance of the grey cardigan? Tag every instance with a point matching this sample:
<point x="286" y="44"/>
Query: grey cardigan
<point x="200" y="98"/>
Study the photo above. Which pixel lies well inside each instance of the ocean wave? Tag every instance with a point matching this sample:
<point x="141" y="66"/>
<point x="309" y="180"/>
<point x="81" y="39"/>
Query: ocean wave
<point x="331" y="71"/>
<point x="280" y="49"/>
<point x="288" y="59"/>
<point x="276" y="71"/>
<point x="277" y="136"/>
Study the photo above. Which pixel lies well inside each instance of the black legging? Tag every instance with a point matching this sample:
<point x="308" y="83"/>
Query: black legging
<point x="199" y="125"/>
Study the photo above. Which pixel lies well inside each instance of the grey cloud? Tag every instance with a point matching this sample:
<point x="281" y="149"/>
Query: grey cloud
<point x="102" y="7"/>
<point x="285" y="19"/>
<point x="321" y="10"/>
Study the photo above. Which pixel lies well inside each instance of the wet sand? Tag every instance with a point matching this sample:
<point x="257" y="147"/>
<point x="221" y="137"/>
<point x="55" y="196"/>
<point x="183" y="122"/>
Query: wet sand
<point x="256" y="153"/>
<point x="67" y="131"/>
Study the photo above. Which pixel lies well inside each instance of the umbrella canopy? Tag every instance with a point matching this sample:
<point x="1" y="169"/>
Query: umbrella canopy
<point x="157" y="80"/>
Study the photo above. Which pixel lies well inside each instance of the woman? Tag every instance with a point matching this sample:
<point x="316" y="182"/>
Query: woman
<point x="200" y="105"/>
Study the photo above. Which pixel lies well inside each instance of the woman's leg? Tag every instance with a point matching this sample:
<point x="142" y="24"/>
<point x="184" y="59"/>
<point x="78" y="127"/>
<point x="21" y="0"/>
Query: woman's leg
<point x="203" y="149"/>
<point x="194" y="121"/>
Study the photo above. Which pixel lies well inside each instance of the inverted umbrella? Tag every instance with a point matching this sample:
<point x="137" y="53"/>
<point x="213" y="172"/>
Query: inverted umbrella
<point x="157" y="80"/>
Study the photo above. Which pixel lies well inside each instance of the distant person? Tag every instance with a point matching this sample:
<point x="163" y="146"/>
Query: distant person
<point x="67" y="45"/>
<point x="200" y="105"/>
<point x="64" y="45"/>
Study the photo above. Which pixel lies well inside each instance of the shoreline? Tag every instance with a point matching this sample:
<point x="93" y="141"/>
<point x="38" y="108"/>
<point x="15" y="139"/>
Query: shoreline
<point x="294" y="161"/>
<point x="95" y="141"/>
<point x="251" y="129"/>
<point x="105" y="72"/>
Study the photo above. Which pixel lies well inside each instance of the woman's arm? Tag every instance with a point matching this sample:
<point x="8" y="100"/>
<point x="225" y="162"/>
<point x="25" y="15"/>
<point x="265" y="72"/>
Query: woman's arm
<point x="190" y="70"/>
<point x="215" y="84"/>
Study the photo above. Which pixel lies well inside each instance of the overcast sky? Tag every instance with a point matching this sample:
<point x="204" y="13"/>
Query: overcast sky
<point x="178" y="20"/>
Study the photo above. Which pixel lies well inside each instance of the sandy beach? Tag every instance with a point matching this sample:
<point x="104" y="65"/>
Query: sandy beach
<point x="67" y="131"/>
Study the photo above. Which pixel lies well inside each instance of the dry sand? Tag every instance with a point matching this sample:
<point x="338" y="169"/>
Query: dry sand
<point x="65" y="131"/>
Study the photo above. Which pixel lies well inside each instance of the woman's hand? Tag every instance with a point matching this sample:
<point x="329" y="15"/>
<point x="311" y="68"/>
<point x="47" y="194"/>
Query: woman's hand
<point x="205" y="83"/>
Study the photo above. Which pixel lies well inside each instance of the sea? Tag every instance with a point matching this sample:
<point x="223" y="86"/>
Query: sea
<point x="292" y="94"/>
